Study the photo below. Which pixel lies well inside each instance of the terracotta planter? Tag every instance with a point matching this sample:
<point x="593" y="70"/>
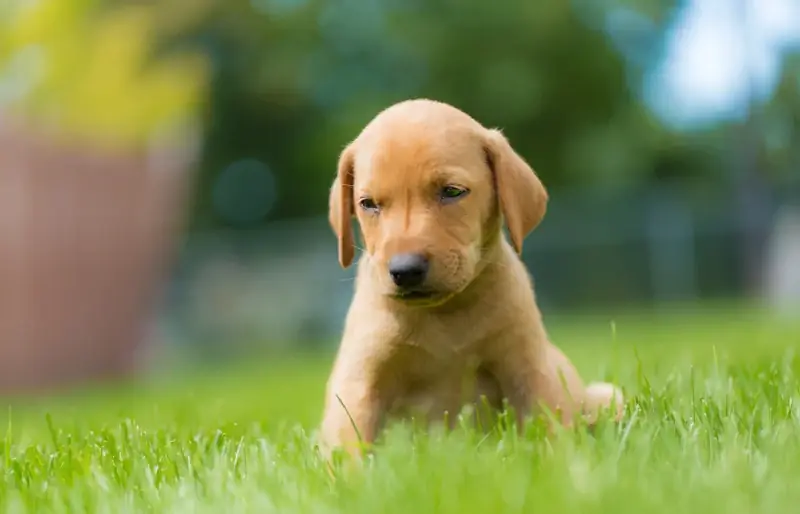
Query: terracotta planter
<point x="86" y="235"/>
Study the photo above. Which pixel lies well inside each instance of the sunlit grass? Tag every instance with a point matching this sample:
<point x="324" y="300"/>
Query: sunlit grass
<point x="712" y="424"/>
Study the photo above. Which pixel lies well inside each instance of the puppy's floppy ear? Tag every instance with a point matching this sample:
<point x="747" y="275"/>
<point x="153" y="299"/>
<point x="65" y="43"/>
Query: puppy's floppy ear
<point x="522" y="196"/>
<point x="340" y="207"/>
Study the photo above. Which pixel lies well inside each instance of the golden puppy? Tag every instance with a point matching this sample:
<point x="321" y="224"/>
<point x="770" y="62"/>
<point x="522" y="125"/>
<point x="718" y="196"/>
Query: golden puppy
<point x="444" y="310"/>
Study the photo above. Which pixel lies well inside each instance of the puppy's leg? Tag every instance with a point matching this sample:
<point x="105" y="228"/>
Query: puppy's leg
<point x="543" y="376"/>
<point x="536" y="375"/>
<point x="594" y="398"/>
<point x="353" y="411"/>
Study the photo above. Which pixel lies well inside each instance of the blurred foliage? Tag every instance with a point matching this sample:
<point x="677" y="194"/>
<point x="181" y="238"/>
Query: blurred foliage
<point x="295" y="80"/>
<point x="88" y="71"/>
<point x="292" y="81"/>
<point x="781" y="124"/>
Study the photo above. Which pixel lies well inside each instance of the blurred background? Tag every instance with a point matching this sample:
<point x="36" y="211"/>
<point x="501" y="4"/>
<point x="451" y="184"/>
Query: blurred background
<point x="164" y="166"/>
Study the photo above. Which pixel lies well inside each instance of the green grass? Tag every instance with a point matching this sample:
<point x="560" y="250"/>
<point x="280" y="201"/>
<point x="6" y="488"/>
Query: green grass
<point x="712" y="424"/>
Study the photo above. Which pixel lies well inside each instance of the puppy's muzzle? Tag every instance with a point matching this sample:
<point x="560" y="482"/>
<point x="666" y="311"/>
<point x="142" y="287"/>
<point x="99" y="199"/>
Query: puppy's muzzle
<point x="408" y="270"/>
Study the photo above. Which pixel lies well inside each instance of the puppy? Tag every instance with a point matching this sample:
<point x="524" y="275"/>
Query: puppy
<point x="444" y="311"/>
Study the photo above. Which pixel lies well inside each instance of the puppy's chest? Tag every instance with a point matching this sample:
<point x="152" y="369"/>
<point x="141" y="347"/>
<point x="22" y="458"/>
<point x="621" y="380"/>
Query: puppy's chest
<point x="428" y="385"/>
<point x="434" y="362"/>
<point x="446" y="339"/>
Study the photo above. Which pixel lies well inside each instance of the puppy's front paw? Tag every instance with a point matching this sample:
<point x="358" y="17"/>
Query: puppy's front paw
<point x="603" y="396"/>
<point x="343" y="461"/>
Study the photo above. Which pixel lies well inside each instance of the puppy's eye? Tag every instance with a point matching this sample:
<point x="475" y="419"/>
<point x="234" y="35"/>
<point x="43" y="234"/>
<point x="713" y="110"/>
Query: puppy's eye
<point x="452" y="193"/>
<point x="368" y="204"/>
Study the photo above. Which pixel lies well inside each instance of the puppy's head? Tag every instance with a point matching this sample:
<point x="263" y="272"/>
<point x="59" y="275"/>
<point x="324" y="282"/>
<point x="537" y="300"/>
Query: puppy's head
<point x="428" y="185"/>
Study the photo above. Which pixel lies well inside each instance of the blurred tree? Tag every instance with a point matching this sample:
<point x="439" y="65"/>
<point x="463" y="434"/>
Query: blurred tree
<point x="555" y="84"/>
<point x="764" y="162"/>
<point x="781" y="125"/>
<point x="294" y="81"/>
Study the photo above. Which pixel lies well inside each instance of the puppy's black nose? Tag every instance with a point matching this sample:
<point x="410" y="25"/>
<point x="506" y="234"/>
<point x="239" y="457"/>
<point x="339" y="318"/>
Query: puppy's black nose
<point x="408" y="269"/>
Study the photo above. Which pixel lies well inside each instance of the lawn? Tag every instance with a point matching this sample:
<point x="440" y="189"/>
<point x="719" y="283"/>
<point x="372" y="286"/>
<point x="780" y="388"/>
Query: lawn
<point x="712" y="424"/>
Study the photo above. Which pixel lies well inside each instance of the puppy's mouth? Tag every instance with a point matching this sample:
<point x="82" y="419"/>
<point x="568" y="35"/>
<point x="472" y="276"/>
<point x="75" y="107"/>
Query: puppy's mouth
<point x="422" y="297"/>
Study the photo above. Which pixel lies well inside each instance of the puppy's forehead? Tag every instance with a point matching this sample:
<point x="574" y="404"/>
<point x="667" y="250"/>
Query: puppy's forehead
<point x="413" y="152"/>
